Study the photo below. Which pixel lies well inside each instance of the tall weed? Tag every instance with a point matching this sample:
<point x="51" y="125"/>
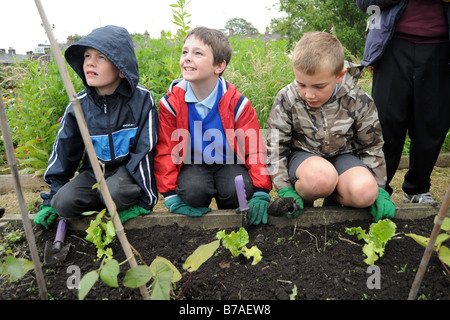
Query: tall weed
<point x="34" y="117"/>
<point x="259" y="70"/>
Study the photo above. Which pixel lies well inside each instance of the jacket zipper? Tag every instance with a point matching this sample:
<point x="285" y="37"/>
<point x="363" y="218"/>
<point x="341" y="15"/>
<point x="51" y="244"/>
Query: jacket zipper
<point x="325" y="129"/>
<point x="108" y="122"/>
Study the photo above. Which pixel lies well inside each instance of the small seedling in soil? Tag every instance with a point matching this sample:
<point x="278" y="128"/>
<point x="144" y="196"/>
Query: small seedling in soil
<point x="101" y="234"/>
<point x="236" y="243"/>
<point x="379" y="234"/>
<point x="161" y="271"/>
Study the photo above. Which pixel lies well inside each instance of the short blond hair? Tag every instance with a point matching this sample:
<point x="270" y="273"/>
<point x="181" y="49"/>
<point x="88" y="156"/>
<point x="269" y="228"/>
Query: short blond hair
<point x="318" y="50"/>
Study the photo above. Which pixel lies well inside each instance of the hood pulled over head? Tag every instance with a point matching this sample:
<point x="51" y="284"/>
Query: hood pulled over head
<point x="116" y="44"/>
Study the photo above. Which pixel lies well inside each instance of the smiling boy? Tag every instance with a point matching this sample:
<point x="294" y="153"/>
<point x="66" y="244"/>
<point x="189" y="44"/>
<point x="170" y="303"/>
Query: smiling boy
<point x="122" y="121"/>
<point x="204" y="135"/>
<point x="330" y="140"/>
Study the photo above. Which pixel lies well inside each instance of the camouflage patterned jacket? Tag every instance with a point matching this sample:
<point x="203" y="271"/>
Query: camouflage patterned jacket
<point x="348" y="122"/>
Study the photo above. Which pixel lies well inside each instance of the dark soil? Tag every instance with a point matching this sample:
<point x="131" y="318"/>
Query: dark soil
<point x="322" y="262"/>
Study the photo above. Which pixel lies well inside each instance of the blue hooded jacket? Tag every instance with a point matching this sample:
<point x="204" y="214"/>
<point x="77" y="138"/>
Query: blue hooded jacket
<point x="378" y="38"/>
<point x="123" y="126"/>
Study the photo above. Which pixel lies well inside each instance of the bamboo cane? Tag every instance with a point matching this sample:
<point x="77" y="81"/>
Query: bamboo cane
<point x="20" y="198"/>
<point x="110" y="205"/>
<point x="429" y="249"/>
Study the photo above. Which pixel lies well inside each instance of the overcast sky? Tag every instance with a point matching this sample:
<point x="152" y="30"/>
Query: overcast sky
<point x="20" y="23"/>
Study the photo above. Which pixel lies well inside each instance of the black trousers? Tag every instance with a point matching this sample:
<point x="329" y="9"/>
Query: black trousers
<point x="77" y="196"/>
<point x="411" y="89"/>
<point x="199" y="183"/>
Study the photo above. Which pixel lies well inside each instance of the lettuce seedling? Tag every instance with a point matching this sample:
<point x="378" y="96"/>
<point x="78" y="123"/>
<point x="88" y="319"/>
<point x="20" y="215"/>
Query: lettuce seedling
<point x="236" y="243"/>
<point x="379" y="234"/>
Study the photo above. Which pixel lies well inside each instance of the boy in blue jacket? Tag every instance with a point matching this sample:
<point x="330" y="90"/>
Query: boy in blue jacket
<point x="122" y="121"/>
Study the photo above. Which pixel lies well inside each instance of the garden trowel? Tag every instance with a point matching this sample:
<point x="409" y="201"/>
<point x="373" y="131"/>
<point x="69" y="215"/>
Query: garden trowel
<point x="282" y="207"/>
<point x="55" y="252"/>
<point x="242" y="197"/>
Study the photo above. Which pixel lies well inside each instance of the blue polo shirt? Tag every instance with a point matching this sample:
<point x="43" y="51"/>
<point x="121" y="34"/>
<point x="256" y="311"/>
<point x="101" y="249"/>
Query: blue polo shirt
<point x="204" y="107"/>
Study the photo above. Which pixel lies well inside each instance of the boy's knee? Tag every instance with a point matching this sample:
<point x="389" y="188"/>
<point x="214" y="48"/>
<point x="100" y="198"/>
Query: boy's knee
<point x="124" y="197"/>
<point x="362" y="194"/>
<point x="317" y="179"/>
<point x="66" y="207"/>
<point x="196" y="195"/>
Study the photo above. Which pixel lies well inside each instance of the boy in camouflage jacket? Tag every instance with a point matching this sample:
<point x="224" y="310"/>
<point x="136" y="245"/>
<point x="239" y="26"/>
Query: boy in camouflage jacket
<point x="324" y="136"/>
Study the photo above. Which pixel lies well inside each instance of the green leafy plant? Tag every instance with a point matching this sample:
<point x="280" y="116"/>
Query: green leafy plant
<point x="164" y="273"/>
<point x="11" y="267"/>
<point x="101" y="233"/>
<point x="236" y="243"/>
<point x="442" y="251"/>
<point x="15" y="268"/>
<point x="379" y="234"/>
<point x="34" y="116"/>
<point x="161" y="272"/>
<point x="180" y="17"/>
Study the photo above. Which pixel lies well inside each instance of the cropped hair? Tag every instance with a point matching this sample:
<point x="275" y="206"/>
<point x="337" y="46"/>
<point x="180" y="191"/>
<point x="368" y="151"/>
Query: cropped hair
<point x="219" y="43"/>
<point x="316" y="51"/>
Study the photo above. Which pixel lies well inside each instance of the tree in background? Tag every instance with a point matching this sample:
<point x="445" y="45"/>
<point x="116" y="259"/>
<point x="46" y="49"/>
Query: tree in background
<point x="340" y="17"/>
<point x="240" y="27"/>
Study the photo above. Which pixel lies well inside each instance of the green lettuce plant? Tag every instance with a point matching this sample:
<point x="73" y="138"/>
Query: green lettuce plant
<point x="101" y="233"/>
<point x="379" y="234"/>
<point x="236" y="243"/>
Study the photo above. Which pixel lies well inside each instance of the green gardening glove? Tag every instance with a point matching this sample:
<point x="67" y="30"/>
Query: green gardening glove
<point x="46" y="216"/>
<point x="131" y="213"/>
<point x="176" y="205"/>
<point x="257" y="205"/>
<point x="382" y="207"/>
<point x="289" y="192"/>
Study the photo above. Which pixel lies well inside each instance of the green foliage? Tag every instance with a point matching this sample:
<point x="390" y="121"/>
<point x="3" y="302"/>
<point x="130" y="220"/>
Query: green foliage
<point x="180" y="17"/>
<point x="442" y="251"/>
<point x="101" y="234"/>
<point x="379" y="234"/>
<point x="200" y="255"/>
<point x="341" y="16"/>
<point x="11" y="267"/>
<point x="236" y="243"/>
<point x="165" y="274"/>
<point x="34" y="116"/>
<point x="240" y="27"/>
<point x="161" y="272"/>
<point x="86" y="284"/>
<point x="260" y="70"/>
<point x="15" y="268"/>
<point x="157" y="74"/>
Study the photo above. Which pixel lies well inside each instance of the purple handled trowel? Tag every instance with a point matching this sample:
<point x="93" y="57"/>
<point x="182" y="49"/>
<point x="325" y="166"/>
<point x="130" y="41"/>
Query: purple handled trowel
<point x="55" y="252"/>
<point x="242" y="197"/>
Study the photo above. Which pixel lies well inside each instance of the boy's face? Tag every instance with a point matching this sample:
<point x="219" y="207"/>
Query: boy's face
<point x="197" y="62"/>
<point x="317" y="89"/>
<point x="100" y="73"/>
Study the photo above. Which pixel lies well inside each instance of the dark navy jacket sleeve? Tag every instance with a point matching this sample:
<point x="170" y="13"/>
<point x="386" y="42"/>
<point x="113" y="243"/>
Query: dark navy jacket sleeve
<point x="142" y="154"/>
<point x="66" y="155"/>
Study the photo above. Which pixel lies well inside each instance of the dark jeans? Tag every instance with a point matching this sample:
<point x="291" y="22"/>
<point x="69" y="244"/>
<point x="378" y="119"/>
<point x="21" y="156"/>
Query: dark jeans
<point x="411" y="89"/>
<point x="77" y="196"/>
<point x="199" y="183"/>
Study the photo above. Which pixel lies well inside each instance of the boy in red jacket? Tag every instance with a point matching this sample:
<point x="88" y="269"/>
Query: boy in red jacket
<point x="209" y="134"/>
